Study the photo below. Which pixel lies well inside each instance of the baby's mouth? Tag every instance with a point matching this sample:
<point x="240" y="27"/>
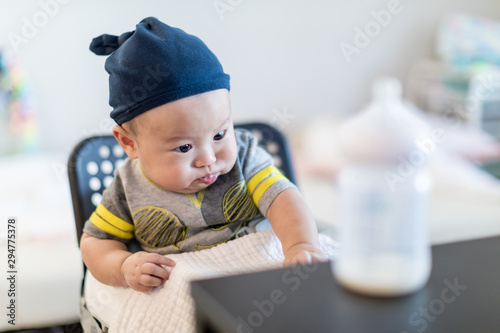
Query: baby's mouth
<point x="209" y="179"/>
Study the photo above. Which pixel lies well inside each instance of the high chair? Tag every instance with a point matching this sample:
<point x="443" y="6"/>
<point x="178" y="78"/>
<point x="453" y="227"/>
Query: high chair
<point x="91" y="167"/>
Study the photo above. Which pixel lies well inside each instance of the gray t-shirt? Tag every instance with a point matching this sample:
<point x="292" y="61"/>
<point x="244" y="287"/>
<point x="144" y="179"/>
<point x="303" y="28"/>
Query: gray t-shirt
<point x="169" y="222"/>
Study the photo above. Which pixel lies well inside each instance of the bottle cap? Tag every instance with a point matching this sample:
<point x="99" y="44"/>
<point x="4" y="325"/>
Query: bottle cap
<point x="385" y="130"/>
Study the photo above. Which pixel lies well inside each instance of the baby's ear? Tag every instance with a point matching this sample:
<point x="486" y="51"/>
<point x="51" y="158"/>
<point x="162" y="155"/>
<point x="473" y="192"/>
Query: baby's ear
<point x="127" y="140"/>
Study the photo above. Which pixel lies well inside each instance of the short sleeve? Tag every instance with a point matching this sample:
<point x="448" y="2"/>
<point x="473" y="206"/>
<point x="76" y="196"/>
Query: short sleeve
<point x="112" y="218"/>
<point x="264" y="181"/>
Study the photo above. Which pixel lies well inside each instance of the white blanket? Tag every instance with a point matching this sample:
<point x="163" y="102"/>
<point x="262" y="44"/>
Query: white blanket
<point x="170" y="308"/>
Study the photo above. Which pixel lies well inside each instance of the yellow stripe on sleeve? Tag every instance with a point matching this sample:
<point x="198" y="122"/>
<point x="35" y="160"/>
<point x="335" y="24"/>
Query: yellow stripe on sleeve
<point x="264" y="186"/>
<point x="113" y="219"/>
<point x="112" y="224"/>
<point x="264" y="179"/>
<point x="264" y="173"/>
<point x="110" y="229"/>
<point x="255" y="180"/>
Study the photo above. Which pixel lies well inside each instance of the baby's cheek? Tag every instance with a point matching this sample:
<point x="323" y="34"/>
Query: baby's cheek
<point x="179" y="174"/>
<point x="228" y="155"/>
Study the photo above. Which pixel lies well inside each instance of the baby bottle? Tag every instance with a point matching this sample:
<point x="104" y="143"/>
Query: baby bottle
<point x="384" y="190"/>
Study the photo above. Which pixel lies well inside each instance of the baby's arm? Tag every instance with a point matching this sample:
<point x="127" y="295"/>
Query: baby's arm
<point x="111" y="263"/>
<point x="293" y="223"/>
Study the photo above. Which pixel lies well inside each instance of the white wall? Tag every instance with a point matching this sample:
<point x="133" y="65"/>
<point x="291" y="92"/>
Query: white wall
<point x="283" y="56"/>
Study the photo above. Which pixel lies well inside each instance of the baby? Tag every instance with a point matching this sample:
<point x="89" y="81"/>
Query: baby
<point x="191" y="180"/>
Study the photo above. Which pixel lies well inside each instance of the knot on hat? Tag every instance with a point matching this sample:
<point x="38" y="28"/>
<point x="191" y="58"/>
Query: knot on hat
<point x="106" y="44"/>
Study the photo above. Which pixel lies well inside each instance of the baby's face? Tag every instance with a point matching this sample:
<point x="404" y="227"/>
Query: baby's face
<point x="183" y="146"/>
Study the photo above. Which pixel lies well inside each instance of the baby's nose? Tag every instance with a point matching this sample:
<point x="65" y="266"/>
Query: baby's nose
<point x="205" y="157"/>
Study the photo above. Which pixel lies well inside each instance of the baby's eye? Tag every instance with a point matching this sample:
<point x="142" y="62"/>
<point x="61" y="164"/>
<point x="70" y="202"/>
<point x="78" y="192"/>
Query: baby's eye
<point x="219" y="135"/>
<point x="184" y="148"/>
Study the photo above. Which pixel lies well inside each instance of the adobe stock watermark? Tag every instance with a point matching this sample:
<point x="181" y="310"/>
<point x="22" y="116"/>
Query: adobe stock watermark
<point x="282" y="118"/>
<point x="31" y="26"/>
<point x="421" y="318"/>
<point x="363" y="36"/>
<point x="457" y="112"/>
<point x="263" y="309"/>
<point x="152" y="78"/>
<point x="416" y="158"/>
<point x="484" y="87"/>
<point x="224" y="6"/>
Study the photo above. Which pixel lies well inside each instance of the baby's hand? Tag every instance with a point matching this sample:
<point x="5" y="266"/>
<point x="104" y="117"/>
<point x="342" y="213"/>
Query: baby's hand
<point x="143" y="271"/>
<point x="303" y="254"/>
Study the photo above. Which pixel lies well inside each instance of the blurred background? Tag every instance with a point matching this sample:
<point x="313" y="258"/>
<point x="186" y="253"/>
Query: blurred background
<point x="302" y="66"/>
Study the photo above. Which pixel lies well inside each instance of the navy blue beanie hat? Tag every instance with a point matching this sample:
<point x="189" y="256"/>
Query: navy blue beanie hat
<point x="154" y="65"/>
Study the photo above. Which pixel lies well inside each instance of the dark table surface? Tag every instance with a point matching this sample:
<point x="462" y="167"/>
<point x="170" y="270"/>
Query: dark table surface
<point x="462" y="295"/>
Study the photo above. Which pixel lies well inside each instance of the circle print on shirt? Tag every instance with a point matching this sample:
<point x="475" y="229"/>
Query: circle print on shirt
<point x="158" y="227"/>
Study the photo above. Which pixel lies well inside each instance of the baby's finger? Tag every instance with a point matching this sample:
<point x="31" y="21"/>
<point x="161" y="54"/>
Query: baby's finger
<point x="158" y="259"/>
<point x="150" y="281"/>
<point x="155" y="270"/>
<point x="303" y="258"/>
<point x="142" y="288"/>
<point x="319" y="257"/>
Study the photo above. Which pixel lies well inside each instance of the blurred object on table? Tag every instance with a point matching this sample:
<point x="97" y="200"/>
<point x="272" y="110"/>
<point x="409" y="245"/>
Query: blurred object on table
<point x="471" y="95"/>
<point x="18" y="119"/>
<point x="466" y="40"/>
<point x="464" y="82"/>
